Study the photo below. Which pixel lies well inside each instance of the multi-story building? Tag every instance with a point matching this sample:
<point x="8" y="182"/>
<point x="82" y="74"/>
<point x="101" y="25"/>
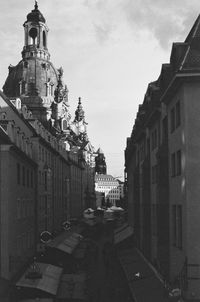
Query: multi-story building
<point x="18" y="179"/>
<point x="162" y="167"/>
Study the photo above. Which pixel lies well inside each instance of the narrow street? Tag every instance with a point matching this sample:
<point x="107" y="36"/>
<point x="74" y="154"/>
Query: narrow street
<point x="106" y="281"/>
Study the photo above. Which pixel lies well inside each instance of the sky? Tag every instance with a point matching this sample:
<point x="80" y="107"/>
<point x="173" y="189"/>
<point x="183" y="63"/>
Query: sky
<point x="109" y="49"/>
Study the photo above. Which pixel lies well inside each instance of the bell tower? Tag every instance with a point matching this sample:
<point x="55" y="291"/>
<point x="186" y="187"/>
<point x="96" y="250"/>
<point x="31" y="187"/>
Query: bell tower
<point x="35" y="35"/>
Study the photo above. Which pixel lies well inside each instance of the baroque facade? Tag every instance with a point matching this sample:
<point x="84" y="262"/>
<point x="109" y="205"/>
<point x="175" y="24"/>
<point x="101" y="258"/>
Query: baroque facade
<point x="162" y="165"/>
<point x="51" y="160"/>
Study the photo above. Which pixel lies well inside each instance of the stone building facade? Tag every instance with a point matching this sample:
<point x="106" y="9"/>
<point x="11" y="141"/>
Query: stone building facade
<point x="162" y="165"/>
<point x="18" y="174"/>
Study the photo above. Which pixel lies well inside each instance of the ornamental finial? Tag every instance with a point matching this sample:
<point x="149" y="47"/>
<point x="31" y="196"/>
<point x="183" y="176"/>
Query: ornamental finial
<point x="36" y="5"/>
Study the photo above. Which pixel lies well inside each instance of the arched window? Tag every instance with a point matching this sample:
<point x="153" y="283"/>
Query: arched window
<point x="44" y="39"/>
<point x="33" y="35"/>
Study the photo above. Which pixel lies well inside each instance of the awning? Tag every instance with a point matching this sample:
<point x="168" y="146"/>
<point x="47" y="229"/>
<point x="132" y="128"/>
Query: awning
<point x="67" y="242"/>
<point x="122" y="233"/>
<point x="72" y="286"/>
<point x="143" y="281"/>
<point x="49" y="281"/>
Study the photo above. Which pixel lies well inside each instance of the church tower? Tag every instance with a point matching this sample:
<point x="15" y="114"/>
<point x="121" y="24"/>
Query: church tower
<point x="100" y="162"/>
<point x="34" y="79"/>
<point x="35" y="34"/>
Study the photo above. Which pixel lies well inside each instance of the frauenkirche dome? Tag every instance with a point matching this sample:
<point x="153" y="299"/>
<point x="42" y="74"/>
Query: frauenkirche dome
<point x="34" y="79"/>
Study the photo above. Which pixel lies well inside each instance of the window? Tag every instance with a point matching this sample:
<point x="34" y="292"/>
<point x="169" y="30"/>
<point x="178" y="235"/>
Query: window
<point x="175" y="116"/>
<point x="39" y="152"/>
<point x="45" y="180"/>
<point x="177" y="226"/>
<point x="172" y="120"/>
<point x="44" y="39"/>
<point x="173" y="164"/>
<point x="178" y="162"/>
<point x="154" y="139"/>
<point x="42" y="154"/>
<point x="178" y="114"/>
<point x="23" y="176"/>
<point x="174" y="235"/>
<point x="27" y="179"/>
<point x="18" y="208"/>
<point x="18" y="174"/>
<point x="154" y="174"/>
<point x="164" y="128"/>
<point x="176" y="168"/>
<point x="31" y="179"/>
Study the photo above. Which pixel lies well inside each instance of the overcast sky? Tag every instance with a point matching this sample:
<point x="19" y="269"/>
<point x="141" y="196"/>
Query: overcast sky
<point x="109" y="49"/>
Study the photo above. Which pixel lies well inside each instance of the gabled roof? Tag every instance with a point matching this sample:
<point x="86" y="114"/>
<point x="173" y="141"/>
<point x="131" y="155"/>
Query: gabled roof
<point x="191" y="59"/>
<point x="195" y="30"/>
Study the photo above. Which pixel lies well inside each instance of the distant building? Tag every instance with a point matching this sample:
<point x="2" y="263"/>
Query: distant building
<point x="110" y="187"/>
<point x="162" y="161"/>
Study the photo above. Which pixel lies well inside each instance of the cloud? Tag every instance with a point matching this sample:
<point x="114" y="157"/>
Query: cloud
<point x="102" y="32"/>
<point x="167" y="21"/>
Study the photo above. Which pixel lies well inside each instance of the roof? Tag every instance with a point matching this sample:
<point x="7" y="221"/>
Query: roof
<point x="35" y="15"/>
<point x="122" y="233"/>
<point x="49" y="281"/>
<point x="105" y="177"/>
<point x="195" y="30"/>
<point x="25" y="71"/>
<point x="66" y="242"/>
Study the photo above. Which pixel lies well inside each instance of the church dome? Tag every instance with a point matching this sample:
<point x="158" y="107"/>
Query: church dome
<point x="35" y="15"/>
<point x="32" y="76"/>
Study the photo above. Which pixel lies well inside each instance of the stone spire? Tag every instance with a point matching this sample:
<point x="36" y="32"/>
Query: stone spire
<point x="79" y="113"/>
<point x="61" y="91"/>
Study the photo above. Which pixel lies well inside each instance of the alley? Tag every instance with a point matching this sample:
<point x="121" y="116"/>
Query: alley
<point x="106" y="280"/>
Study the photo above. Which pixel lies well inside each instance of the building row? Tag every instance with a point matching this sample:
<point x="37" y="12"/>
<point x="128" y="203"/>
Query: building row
<point x="47" y="163"/>
<point x="162" y="169"/>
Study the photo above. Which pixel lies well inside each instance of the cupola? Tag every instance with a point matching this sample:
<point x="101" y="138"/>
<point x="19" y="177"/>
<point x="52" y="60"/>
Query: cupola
<point x="35" y="35"/>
